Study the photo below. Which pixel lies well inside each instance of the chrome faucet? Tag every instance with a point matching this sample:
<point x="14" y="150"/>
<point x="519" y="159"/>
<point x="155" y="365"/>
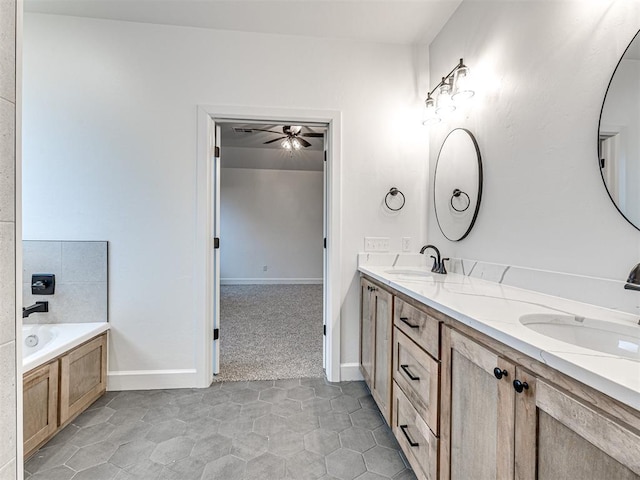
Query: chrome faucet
<point x="438" y="262"/>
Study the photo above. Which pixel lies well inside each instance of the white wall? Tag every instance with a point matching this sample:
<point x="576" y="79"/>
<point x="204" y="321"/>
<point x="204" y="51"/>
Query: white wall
<point x="541" y="72"/>
<point x="272" y="218"/>
<point x="110" y="137"/>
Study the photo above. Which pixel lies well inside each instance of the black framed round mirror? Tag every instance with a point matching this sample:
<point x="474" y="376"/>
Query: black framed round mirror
<point x="619" y="135"/>
<point x="457" y="184"/>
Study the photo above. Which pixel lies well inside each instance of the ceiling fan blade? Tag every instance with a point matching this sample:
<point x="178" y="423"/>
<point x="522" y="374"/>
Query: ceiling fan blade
<point x="264" y="130"/>
<point x="274" y="140"/>
<point x="312" y="134"/>
<point x="303" y="142"/>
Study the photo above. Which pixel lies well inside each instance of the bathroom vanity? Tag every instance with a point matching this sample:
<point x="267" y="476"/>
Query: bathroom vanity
<point x="471" y="391"/>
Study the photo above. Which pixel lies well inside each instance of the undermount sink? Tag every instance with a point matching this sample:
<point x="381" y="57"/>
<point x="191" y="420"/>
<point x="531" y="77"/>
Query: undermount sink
<point x="599" y="335"/>
<point x="410" y="273"/>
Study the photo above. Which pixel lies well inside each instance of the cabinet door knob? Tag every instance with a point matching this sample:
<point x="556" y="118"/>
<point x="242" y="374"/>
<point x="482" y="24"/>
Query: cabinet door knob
<point x="520" y="386"/>
<point x="500" y="373"/>
<point x="411" y="442"/>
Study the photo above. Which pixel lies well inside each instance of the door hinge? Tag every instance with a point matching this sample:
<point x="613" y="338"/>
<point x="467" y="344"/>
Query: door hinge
<point x="325" y="242"/>
<point x="216" y="242"/>
<point x="324" y="330"/>
<point x="216" y="152"/>
<point x="325" y="155"/>
<point x="216" y="333"/>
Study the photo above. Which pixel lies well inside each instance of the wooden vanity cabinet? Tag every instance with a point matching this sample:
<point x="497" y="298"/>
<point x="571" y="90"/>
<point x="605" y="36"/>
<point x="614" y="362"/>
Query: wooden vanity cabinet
<point x="537" y="431"/>
<point x="375" y="343"/>
<point x="477" y="411"/>
<point x="40" y="400"/>
<point x="559" y="436"/>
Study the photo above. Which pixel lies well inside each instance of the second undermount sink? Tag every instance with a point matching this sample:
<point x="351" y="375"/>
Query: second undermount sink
<point x="602" y="336"/>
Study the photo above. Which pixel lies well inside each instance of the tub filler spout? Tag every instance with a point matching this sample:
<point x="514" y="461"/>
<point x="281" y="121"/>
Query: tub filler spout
<point x="38" y="307"/>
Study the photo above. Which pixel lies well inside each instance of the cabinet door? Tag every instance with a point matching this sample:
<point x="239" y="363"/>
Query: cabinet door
<point x="83" y="374"/>
<point x="558" y="436"/>
<point x="40" y="404"/>
<point x="477" y="411"/>
<point x="367" y="308"/>
<point x="383" y="351"/>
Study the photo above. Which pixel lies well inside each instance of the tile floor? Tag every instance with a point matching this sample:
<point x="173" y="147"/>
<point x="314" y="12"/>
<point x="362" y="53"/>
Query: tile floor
<point x="284" y="429"/>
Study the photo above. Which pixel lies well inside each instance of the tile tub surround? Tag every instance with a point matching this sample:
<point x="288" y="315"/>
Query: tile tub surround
<point x="81" y="270"/>
<point x="267" y="430"/>
<point x="494" y="309"/>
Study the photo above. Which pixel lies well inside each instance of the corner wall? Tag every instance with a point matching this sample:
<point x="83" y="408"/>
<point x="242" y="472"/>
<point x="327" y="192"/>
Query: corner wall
<point x="10" y="372"/>
<point x="541" y="70"/>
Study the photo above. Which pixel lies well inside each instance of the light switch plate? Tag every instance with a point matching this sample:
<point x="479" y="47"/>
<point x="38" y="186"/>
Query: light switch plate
<point x="376" y="244"/>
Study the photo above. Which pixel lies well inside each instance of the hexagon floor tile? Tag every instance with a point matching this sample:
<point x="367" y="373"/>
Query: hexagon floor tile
<point x="284" y="429"/>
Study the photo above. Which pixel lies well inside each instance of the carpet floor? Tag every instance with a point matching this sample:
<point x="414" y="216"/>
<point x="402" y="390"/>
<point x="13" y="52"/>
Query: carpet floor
<point x="270" y="332"/>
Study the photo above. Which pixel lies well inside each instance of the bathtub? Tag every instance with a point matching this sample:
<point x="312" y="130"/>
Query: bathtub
<point x="42" y="343"/>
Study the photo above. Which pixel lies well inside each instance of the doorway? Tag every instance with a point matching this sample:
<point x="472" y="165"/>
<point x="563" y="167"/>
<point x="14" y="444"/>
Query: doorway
<point x="208" y="258"/>
<point x="271" y="251"/>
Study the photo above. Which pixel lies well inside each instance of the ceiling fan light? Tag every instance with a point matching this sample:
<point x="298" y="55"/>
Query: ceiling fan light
<point x="286" y="144"/>
<point x="295" y="143"/>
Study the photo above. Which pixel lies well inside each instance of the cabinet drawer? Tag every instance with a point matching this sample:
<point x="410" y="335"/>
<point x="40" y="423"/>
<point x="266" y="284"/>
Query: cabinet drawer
<point x="417" y="441"/>
<point x="418" y="326"/>
<point x="417" y="374"/>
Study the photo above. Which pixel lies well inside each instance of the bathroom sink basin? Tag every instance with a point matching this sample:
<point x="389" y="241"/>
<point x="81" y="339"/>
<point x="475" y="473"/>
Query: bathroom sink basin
<point x="599" y="335"/>
<point x="416" y="274"/>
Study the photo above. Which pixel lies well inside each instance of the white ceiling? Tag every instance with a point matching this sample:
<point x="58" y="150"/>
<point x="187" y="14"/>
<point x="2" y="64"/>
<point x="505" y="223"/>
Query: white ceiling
<point x="241" y="149"/>
<point x="388" y="21"/>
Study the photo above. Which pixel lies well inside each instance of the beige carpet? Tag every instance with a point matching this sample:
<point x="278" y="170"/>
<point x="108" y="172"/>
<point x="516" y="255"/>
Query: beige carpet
<point x="270" y="332"/>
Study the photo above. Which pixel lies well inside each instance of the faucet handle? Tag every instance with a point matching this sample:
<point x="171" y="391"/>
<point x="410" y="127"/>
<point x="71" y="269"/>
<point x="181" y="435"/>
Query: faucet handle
<point x="435" y="266"/>
<point x="443" y="270"/>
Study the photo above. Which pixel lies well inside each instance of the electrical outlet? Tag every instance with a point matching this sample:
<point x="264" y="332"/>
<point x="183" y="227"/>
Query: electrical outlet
<point x="264" y="268"/>
<point x="406" y="244"/>
<point x="376" y="244"/>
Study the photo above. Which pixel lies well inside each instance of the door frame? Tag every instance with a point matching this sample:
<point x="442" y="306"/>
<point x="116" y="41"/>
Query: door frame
<point x="207" y="115"/>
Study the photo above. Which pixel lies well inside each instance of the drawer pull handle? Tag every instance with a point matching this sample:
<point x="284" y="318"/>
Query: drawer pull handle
<point x="406" y="370"/>
<point x="411" y="442"/>
<point x="406" y="320"/>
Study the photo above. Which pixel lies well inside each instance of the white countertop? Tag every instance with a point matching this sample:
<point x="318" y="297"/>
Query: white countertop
<point x="495" y="310"/>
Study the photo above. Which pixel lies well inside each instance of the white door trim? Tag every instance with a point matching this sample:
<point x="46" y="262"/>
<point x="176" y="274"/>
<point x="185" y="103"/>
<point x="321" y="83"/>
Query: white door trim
<point x="203" y="248"/>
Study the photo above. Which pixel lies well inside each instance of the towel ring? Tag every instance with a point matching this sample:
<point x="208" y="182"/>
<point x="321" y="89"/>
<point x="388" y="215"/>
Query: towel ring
<point x="456" y="193"/>
<point x="393" y="192"/>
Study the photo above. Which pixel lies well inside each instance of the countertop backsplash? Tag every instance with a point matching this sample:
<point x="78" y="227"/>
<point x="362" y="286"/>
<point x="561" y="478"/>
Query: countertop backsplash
<point x="81" y="275"/>
<point x="593" y="290"/>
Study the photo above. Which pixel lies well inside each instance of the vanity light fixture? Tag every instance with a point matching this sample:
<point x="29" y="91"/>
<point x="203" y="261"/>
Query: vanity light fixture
<point x="452" y="90"/>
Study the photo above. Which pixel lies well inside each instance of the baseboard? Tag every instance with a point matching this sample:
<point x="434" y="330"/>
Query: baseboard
<point x="350" y="372"/>
<point x="152" y="379"/>
<point x="271" y="281"/>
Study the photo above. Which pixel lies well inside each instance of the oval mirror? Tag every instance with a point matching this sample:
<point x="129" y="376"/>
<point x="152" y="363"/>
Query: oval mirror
<point x="619" y="135"/>
<point x="457" y="184"/>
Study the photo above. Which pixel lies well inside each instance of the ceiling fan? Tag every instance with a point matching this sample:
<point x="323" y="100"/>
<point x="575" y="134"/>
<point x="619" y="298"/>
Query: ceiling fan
<point x="291" y="137"/>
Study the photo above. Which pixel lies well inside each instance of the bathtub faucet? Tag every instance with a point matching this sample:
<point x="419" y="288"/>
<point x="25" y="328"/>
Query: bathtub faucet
<point x="41" y="307"/>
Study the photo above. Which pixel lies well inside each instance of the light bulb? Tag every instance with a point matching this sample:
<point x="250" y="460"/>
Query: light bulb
<point x="461" y="88"/>
<point x="444" y="104"/>
<point x="296" y="144"/>
<point x="430" y="117"/>
<point x="286" y="144"/>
